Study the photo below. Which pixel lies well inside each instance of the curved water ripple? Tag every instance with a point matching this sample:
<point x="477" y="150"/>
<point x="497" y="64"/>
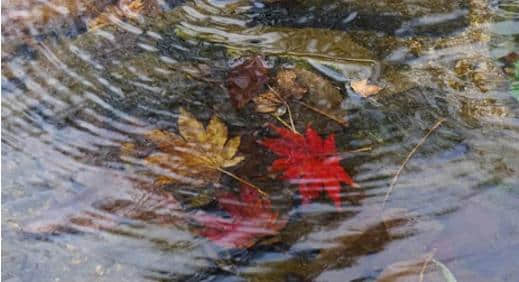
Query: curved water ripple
<point x="76" y="206"/>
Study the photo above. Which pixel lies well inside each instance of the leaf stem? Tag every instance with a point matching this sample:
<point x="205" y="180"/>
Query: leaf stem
<point x="241" y="180"/>
<point x="339" y="121"/>
<point x="235" y="177"/>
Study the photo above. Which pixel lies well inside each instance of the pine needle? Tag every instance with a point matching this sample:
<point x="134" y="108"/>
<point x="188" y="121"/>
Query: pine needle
<point x="339" y="121"/>
<point x="288" y="108"/>
<point x="409" y="156"/>
<point x="284" y="123"/>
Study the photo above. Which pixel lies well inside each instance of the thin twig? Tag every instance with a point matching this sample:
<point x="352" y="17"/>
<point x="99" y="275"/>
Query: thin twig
<point x="290" y="117"/>
<point x="304" y="55"/>
<point x="283" y="122"/>
<point x="242" y="180"/>
<point x="363" y="149"/>
<point x="288" y="108"/>
<point x="424" y="267"/>
<point x="409" y="156"/>
<point x="339" y="121"/>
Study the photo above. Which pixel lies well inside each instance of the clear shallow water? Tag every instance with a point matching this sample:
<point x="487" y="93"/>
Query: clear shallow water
<point x="74" y="209"/>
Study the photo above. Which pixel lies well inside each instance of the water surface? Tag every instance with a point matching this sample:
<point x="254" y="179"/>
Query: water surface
<point x="83" y="79"/>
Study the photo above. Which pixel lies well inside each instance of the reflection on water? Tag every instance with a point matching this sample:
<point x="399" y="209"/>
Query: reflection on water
<point x="85" y="82"/>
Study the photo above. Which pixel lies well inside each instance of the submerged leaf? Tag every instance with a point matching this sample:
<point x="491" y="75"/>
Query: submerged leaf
<point x="124" y="9"/>
<point x="310" y="162"/>
<point x="269" y="102"/>
<point x="246" y="81"/>
<point x="252" y="218"/>
<point x="321" y="92"/>
<point x="190" y="128"/>
<point x="286" y="82"/>
<point x="274" y="100"/>
<point x="323" y="96"/>
<point x="197" y="155"/>
<point x="364" y="89"/>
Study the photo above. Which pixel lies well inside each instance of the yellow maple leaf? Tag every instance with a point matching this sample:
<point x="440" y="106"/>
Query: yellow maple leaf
<point x="197" y="155"/>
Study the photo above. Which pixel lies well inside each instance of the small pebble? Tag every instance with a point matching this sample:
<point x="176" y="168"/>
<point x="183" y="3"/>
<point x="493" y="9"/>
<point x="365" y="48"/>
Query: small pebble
<point x="99" y="270"/>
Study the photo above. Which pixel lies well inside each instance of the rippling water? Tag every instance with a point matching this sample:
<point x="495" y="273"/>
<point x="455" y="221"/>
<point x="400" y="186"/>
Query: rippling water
<point x="83" y="79"/>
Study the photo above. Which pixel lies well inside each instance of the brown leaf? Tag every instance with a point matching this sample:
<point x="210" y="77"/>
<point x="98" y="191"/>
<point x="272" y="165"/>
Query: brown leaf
<point x="322" y="92"/>
<point x="269" y="102"/>
<point x="364" y="89"/>
<point x="197" y="154"/>
<point x="323" y="96"/>
<point x="246" y="81"/>
<point x="286" y="82"/>
<point x="129" y="9"/>
<point x="274" y="100"/>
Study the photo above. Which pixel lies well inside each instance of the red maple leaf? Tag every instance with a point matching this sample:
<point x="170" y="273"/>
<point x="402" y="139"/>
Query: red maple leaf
<point x="310" y="162"/>
<point x="251" y="219"/>
<point x="246" y="81"/>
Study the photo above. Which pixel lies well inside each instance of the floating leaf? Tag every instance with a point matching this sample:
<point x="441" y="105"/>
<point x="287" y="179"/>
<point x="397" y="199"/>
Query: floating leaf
<point x="364" y="89"/>
<point x="198" y="154"/>
<point x="310" y="162"/>
<point x="251" y="218"/>
<point x="246" y="81"/>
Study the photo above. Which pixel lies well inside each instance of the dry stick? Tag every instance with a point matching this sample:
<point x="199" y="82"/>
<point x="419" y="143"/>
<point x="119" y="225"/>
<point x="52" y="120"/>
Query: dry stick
<point x="282" y="122"/>
<point x="242" y="180"/>
<point x="288" y="108"/>
<point x="305" y="55"/>
<point x="409" y="156"/>
<point x="424" y="267"/>
<point x="363" y="149"/>
<point x="341" y="122"/>
<point x="290" y="117"/>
